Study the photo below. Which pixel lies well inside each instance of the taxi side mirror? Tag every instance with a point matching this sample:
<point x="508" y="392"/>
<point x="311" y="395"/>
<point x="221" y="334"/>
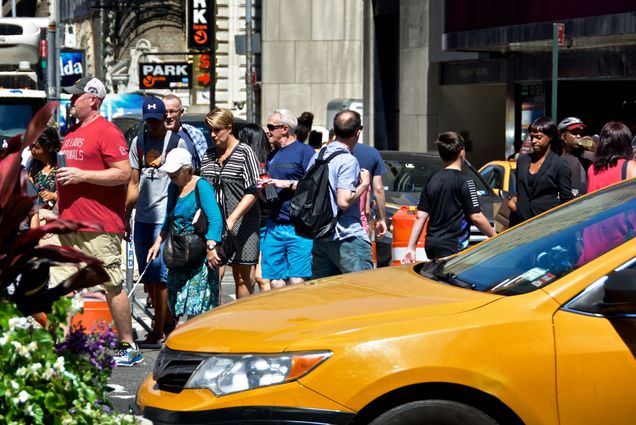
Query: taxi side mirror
<point x="620" y="294"/>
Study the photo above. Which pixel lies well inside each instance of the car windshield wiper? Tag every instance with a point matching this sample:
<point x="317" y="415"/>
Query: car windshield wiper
<point x="434" y="270"/>
<point x="454" y="280"/>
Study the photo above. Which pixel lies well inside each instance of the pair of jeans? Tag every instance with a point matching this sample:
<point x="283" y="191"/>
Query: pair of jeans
<point x="333" y="257"/>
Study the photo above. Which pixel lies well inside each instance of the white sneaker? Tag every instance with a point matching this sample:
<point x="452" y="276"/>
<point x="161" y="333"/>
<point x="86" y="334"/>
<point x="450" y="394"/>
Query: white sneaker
<point x="127" y="355"/>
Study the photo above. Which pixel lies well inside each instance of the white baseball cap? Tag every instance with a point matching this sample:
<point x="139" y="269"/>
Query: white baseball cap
<point x="176" y="158"/>
<point x="89" y="85"/>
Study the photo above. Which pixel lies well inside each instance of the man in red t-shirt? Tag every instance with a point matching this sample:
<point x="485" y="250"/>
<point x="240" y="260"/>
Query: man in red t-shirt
<point x="91" y="189"/>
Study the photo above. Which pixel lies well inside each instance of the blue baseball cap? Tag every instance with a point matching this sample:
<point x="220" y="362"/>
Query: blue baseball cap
<point x="153" y="108"/>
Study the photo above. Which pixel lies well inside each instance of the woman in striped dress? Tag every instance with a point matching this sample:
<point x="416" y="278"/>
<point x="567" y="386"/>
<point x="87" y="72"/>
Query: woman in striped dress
<point x="231" y="167"/>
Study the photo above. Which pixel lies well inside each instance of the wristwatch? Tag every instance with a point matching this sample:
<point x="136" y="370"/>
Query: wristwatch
<point x="211" y="247"/>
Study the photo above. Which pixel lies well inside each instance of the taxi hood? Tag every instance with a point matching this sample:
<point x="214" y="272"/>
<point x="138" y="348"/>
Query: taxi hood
<point x="275" y="320"/>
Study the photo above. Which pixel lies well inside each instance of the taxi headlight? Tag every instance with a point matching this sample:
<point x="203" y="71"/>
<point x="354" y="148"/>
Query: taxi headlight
<point x="227" y="374"/>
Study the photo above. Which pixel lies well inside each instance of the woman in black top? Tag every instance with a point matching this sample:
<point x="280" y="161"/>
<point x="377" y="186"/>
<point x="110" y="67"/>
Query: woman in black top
<point x="544" y="179"/>
<point x="231" y="167"/>
<point x="254" y="136"/>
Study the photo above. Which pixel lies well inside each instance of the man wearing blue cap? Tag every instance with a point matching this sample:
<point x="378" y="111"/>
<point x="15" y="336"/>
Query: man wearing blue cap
<point x="148" y="191"/>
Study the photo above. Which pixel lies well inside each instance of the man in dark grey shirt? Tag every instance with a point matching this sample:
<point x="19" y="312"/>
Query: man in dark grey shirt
<point x="148" y="192"/>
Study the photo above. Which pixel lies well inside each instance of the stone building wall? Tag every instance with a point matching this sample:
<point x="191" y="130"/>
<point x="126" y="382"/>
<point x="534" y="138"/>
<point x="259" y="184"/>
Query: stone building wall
<point x="312" y="53"/>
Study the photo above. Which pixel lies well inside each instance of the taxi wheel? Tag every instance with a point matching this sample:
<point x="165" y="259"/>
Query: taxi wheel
<point x="438" y="412"/>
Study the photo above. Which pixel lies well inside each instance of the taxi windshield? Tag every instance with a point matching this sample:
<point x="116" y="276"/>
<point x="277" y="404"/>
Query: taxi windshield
<point x="547" y="248"/>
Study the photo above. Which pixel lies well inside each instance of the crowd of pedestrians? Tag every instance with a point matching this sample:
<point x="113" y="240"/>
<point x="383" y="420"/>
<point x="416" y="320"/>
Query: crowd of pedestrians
<point x="228" y="202"/>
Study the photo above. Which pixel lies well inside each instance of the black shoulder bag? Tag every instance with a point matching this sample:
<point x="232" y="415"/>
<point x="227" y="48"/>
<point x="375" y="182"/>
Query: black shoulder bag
<point x="226" y="249"/>
<point x="186" y="252"/>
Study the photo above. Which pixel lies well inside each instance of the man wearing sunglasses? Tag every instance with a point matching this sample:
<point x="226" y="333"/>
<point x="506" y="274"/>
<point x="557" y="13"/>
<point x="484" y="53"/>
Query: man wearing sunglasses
<point x="91" y="190"/>
<point x="286" y="257"/>
<point x="576" y="152"/>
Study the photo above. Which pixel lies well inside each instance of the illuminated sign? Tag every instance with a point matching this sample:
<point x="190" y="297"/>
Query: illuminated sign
<point x="165" y="75"/>
<point x="200" y="30"/>
<point x="71" y="67"/>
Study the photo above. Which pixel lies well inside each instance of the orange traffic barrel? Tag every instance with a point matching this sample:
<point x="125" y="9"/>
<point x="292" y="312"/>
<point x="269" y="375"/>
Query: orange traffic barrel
<point x="402" y="223"/>
<point x="96" y="316"/>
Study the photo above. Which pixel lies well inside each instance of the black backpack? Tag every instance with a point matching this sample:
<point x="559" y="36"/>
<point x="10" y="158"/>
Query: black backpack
<point x="310" y="211"/>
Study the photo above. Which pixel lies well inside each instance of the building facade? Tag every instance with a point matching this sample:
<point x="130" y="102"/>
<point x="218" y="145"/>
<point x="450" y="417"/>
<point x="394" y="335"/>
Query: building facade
<point x="485" y="70"/>
<point x="312" y="54"/>
<point x="115" y="36"/>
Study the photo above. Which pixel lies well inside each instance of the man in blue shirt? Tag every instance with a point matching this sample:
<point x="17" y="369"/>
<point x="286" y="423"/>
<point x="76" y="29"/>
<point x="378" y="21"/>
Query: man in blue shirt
<point x="285" y="256"/>
<point x="348" y="249"/>
<point x="369" y="159"/>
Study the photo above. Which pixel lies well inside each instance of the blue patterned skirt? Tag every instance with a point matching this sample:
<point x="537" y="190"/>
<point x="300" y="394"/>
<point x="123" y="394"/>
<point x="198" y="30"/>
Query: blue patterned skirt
<point x="193" y="292"/>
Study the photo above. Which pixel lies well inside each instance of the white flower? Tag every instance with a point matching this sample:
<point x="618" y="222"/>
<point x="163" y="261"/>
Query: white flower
<point x="67" y="421"/>
<point x="22" y="371"/>
<point x="129" y="418"/>
<point x="22" y="350"/>
<point x="77" y="304"/>
<point x="18" y="323"/>
<point x="58" y="366"/>
<point x="4" y="339"/>
<point x="35" y="367"/>
<point x="29" y="410"/>
<point x="48" y="374"/>
<point x="23" y="396"/>
<point x="14" y="385"/>
<point x="33" y="346"/>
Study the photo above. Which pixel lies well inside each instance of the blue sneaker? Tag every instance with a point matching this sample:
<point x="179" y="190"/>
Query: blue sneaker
<point x="127" y="355"/>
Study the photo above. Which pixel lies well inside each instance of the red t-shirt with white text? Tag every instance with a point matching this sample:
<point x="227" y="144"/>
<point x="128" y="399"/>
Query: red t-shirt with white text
<point x="93" y="147"/>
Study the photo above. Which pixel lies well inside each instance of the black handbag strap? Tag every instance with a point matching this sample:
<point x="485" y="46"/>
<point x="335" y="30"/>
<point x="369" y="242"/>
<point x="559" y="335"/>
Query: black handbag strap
<point x="196" y="195"/>
<point x="624" y="170"/>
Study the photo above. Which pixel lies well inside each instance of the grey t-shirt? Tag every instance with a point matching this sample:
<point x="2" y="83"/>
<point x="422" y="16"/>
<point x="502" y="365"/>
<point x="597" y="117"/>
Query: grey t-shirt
<point x="153" y="184"/>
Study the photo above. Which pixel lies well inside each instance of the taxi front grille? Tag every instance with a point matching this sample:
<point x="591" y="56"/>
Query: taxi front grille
<point x="174" y="368"/>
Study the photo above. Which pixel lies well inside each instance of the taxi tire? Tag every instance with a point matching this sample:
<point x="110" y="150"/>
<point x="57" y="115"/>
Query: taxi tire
<point x="438" y="412"/>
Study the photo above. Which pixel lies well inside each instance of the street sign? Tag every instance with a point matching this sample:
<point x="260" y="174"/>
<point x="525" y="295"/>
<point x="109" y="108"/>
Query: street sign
<point x="200" y="31"/>
<point x="176" y="75"/>
<point x="240" y="43"/>
<point x="561" y="33"/>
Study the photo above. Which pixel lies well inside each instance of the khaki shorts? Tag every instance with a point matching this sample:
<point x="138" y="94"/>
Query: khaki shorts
<point x="104" y="246"/>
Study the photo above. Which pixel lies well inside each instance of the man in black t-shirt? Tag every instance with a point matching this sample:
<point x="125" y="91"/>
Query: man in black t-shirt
<point x="449" y="202"/>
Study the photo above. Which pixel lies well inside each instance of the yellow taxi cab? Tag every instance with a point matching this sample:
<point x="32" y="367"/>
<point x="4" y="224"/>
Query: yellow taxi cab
<point x="533" y="326"/>
<point x="500" y="176"/>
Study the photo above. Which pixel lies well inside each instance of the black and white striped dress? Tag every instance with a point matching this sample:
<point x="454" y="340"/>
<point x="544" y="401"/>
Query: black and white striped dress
<point x="232" y="181"/>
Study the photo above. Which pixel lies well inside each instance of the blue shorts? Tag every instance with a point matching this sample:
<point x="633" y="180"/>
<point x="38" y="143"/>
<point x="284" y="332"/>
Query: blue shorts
<point x="144" y="236"/>
<point x="283" y="253"/>
<point x="333" y="257"/>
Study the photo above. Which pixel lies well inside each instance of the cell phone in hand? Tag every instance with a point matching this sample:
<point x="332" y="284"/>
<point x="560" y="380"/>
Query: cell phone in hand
<point x="270" y="193"/>
<point x="61" y="160"/>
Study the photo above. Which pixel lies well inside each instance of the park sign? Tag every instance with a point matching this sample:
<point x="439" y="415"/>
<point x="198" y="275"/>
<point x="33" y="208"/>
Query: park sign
<point x="200" y="24"/>
<point x="174" y="75"/>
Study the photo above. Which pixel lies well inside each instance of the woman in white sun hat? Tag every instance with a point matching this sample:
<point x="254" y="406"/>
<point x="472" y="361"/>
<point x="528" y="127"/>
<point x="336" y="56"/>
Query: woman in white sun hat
<point x="195" y="290"/>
